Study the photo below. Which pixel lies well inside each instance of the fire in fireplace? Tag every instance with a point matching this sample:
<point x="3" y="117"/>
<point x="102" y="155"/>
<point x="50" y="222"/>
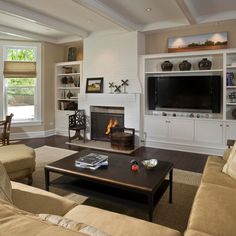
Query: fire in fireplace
<point x="112" y="123"/>
<point x="103" y="119"/>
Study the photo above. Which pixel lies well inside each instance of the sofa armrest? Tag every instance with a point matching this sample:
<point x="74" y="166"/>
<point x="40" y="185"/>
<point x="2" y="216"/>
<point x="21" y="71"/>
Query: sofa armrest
<point x="37" y="201"/>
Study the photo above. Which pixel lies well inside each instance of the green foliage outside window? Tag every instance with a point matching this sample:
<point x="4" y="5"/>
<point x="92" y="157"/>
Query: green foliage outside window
<point x="18" y="54"/>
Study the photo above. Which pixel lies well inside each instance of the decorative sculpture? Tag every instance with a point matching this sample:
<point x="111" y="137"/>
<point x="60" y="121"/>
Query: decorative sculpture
<point x="111" y="86"/>
<point x="124" y="83"/>
<point x="117" y="89"/>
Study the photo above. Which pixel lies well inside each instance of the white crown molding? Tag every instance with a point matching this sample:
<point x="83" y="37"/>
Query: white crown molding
<point x="69" y="39"/>
<point x="40" y="18"/>
<point x="108" y="13"/>
<point x="187" y="11"/>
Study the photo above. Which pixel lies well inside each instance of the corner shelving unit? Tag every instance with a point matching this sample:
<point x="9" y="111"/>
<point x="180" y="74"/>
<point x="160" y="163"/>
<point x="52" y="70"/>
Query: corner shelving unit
<point x="68" y="76"/>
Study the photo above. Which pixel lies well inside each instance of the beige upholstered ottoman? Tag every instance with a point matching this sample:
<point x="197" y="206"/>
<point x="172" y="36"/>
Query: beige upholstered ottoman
<point x="19" y="161"/>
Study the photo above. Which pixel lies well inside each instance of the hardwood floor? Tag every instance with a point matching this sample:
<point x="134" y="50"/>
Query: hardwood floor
<point x="181" y="160"/>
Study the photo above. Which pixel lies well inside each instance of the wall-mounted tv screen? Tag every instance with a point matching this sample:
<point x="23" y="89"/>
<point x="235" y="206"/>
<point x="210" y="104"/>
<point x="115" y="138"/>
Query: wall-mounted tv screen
<point x="185" y="92"/>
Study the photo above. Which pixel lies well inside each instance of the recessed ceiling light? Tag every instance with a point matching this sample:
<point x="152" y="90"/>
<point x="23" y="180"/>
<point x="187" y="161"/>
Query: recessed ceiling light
<point x="148" y="9"/>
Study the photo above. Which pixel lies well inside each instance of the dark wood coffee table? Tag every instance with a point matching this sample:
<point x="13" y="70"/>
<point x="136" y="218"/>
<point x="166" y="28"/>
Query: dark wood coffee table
<point x="117" y="181"/>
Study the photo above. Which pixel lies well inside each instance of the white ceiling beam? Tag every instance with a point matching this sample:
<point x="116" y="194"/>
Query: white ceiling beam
<point x="108" y="13"/>
<point x="39" y="18"/>
<point x="25" y="34"/>
<point x="187" y="12"/>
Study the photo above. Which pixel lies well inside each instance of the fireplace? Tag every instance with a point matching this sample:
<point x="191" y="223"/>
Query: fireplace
<point x="103" y="119"/>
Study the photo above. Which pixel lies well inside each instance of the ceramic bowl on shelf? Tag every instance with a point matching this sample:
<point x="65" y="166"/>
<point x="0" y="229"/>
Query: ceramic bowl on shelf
<point x="150" y="163"/>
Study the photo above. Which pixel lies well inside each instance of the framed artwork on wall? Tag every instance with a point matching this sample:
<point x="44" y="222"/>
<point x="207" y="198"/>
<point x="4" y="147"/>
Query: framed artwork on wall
<point x="94" y="85"/>
<point x="209" y="41"/>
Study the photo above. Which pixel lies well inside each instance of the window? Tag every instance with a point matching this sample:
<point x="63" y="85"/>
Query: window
<point x="22" y="82"/>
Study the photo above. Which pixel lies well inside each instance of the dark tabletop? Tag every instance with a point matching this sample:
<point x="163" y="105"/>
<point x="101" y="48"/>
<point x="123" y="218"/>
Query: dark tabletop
<point x="118" y="172"/>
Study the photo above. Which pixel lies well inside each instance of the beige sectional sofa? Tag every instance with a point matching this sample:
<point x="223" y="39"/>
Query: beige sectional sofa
<point x="214" y="208"/>
<point x="32" y="200"/>
<point x="213" y="212"/>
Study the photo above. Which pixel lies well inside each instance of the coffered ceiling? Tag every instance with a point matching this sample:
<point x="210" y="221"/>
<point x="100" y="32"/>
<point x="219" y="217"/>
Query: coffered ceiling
<point x="61" y="21"/>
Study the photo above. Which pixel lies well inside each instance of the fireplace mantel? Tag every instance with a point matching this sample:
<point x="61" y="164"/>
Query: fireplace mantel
<point x="130" y="102"/>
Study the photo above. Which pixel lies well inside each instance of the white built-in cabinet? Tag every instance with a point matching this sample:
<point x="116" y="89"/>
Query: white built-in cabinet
<point x="68" y="77"/>
<point x="206" y="133"/>
<point x="230" y="130"/>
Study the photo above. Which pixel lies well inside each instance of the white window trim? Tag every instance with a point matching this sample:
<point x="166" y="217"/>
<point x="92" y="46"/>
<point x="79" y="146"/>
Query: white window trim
<point x="38" y="104"/>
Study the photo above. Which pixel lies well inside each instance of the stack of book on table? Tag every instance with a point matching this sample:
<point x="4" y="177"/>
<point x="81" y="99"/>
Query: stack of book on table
<point x="92" y="161"/>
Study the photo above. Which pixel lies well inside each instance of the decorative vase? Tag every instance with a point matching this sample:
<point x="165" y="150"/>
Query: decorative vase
<point x="72" y="53"/>
<point x="166" y="66"/>
<point x="64" y="80"/>
<point x="185" y="65"/>
<point x="69" y="94"/>
<point x="204" y="64"/>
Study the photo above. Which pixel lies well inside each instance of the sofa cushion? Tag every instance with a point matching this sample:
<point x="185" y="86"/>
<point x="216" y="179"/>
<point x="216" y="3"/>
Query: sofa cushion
<point x="116" y="224"/>
<point x="71" y="224"/>
<point x="5" y="185"/>
<point x="230" y="166"/>
<point x="196" y="233"/>
<point x="17" y="222"/>
<point x="214" y="210"/>
<point x="213" y="173"/>
<point x="37" y="201"/>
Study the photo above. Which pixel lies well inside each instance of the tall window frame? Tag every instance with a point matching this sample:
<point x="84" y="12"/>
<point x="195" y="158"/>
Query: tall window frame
<point x="37" y="92"/>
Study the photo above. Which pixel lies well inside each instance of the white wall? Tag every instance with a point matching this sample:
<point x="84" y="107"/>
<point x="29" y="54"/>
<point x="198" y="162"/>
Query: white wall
<point x="113" y="56"/>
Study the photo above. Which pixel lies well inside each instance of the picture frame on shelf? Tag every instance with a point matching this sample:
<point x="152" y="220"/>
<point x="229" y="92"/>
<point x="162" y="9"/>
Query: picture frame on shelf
<point x="94" y="85"/>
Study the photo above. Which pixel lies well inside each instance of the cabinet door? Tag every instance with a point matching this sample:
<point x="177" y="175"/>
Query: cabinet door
<point x="181" y="129"/>
<point x="230" y="130"/>
<point x="155" y="127"/>
<point x="209" y="132"/>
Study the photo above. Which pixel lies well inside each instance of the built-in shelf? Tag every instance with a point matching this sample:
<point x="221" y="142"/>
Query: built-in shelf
<point x="231" y="103"/>
<point x="68" y="88"/>
<point x="230" y="87"/>
<point x="67" y="74"/>
<point x="67" y="99"/>
<point x="231" y="67"/>
<point x="184" y="72"/>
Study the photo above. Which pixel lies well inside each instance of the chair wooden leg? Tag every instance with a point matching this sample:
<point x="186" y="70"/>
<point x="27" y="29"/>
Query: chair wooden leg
<point x="30" y="179"/>
<point x="69" y="136"/>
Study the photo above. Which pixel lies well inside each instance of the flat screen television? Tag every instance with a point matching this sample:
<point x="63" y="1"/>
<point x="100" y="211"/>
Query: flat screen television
<point x="185" y="93"/>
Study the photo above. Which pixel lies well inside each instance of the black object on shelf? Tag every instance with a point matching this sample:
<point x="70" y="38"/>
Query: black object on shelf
<point x="185" y="65"/>
<point x="204" y="64"/>
<point x="166" y="66"/>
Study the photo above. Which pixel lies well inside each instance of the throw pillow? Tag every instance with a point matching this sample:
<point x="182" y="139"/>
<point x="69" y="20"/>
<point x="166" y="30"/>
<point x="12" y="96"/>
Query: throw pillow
<point x="5" y="185"/>
<point x="230" y="166"/>
<point x="226" y="154"/>
<point x="72" y="225"/>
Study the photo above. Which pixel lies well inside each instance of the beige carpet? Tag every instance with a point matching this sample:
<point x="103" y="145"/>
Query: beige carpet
<point x="173" y="215"/>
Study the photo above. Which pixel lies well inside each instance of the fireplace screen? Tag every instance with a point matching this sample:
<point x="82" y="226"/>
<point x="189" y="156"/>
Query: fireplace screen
<point x="102" y="122"/>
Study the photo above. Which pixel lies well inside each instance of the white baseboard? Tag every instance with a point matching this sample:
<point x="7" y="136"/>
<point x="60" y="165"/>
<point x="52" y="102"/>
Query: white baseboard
<point x="62" y="132"/>
<point x="37" y="134"/>
<point x="186" y="148"/>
